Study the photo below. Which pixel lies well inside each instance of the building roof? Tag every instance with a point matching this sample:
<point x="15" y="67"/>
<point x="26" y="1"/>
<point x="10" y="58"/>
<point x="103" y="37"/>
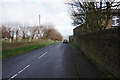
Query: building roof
<point x="114" y="11"/>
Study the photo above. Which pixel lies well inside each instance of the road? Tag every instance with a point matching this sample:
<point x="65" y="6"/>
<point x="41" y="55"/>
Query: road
<point x="54" y="61"/>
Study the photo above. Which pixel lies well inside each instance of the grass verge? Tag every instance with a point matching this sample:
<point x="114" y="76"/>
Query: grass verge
<point x="102" y="71"/>
<point x="74" y="44"/>
<point x="11" y="52"/>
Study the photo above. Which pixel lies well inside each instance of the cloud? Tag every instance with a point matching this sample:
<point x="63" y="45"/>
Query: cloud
<point x="10" y="1"/>
<point x="64" y="31"/>
<point x="27" y="11"/>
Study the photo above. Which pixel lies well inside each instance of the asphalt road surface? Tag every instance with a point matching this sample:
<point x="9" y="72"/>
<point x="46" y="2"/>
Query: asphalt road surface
<point x="54" y="61"/>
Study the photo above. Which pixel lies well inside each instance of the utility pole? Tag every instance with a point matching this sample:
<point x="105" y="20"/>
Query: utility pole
<point x="39" y="29"/>
<point x="39" y="20"/>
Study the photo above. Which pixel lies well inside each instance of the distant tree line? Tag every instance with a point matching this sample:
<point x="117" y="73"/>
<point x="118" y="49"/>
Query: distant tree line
<point x="91" y="16"/>
<point x="17" y="31"/>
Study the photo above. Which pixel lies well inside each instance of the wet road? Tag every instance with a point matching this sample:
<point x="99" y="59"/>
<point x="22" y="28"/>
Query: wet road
<point x="53" y="61"/>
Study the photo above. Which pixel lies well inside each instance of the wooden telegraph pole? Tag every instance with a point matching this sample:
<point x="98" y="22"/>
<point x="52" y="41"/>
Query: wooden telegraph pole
<point x="39" y="20"/>
<point x="39" y="28"/>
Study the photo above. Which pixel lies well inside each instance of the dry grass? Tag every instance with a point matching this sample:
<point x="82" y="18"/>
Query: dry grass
<point x="14" y="48"/>
<point x="12" y="45"/>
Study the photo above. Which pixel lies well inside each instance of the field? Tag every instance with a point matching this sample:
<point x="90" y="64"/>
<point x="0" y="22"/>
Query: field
<point x="13" y="48"/>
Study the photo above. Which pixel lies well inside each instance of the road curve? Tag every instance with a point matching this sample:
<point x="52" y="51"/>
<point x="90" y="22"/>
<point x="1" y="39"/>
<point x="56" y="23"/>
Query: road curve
<point x="53" y="61"/>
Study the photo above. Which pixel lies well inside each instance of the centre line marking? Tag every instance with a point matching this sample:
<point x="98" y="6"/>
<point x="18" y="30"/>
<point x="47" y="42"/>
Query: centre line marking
<point x="42" y="55"/>
<point x="19" y="72"/>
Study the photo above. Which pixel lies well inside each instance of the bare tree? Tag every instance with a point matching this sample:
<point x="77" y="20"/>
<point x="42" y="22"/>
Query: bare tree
<point x="17" y="34"/>
<point x="9" y="31"/>
<point x="23" y="32"/>
<point x="40" y="31"/>
<point x="5" y="32"/>
<point x="92" y="15"/>
<point x="17" y="31"/>
<point x="51" y="33"/>
<point x="33" y="32"/>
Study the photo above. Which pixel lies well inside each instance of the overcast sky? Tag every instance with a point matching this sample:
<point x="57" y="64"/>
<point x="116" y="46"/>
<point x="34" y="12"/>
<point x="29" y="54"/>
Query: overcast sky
<point x="27" y="12"/>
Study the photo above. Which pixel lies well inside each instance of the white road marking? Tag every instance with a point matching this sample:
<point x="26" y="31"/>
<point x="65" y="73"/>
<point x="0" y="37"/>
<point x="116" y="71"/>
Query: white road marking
<point x="19" y="72"/>
<point x="42" y="55"/>
<point x="26" y="67"/>
<point x="13" y="76"/>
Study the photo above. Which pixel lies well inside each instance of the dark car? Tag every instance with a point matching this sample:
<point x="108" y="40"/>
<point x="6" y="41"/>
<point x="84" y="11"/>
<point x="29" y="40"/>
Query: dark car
<point x="65" y="41"/>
